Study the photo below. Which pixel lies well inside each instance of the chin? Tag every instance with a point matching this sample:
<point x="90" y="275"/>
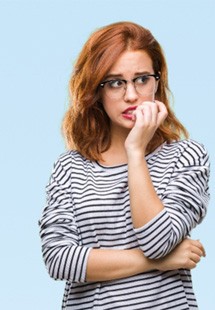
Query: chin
<point x="128" y="125"/>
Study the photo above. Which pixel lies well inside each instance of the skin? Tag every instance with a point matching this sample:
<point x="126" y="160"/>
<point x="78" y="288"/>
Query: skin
<point x="106" y="265"/>
<point x="130" y="136"/>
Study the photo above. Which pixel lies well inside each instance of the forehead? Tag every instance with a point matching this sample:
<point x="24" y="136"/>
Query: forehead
<point x="131" y="62"/>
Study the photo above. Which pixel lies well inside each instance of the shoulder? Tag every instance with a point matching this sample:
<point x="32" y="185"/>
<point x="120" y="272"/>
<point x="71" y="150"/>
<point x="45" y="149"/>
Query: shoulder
<point x="64" y="166"/>
<point x="66" y="162"/>
<point x="68" y="158"/>
<point x="189" y="152"/>
<point x="187" y="144"/>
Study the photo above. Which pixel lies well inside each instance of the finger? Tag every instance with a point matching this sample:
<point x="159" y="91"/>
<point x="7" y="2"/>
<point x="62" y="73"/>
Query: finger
<point x="143" y="115"/>
<point x="195" y="258"/>
<point x="191" y="265"/>
<point x="154" y="109"/>
<point x="197" y="251"/>
<point x="162" y="112"/>
<point x="199" y="245"/>
<point x="202" y="248"/>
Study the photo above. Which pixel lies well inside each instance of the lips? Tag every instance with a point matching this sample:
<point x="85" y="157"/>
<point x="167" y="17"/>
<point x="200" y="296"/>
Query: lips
<point x="129" y="110"/>
<point x="128" y="113"/>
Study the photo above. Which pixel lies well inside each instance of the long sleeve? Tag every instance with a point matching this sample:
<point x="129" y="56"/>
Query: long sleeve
<point x="63" y="256"/>
<point x="185" y="201"/>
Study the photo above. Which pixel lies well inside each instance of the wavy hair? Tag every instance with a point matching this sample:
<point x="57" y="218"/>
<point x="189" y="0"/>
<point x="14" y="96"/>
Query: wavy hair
<point x="86" y="126"/>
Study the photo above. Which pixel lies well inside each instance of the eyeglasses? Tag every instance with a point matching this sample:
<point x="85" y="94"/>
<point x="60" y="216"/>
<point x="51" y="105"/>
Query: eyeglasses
<point x="145" y="85"/>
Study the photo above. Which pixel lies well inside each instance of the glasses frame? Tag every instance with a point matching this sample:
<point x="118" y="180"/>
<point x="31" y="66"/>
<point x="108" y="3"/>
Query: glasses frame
<point x="155" y="75"/>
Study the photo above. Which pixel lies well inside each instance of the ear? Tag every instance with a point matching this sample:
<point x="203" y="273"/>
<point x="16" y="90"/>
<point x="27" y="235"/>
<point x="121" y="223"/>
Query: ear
<point x="157" y="82"/>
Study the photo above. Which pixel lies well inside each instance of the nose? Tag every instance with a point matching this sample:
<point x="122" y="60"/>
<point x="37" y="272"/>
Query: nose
<point x="131" y="94"/>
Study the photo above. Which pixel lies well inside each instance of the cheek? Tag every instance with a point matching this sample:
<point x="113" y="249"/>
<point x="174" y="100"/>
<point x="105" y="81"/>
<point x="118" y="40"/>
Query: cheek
<point x="107" y="105"/>
<point x="148" y="98"/>
<point x="107" y="109"/>
<point x="111" y="107"/>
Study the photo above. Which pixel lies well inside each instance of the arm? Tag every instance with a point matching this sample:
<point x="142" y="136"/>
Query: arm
<point x="162" y="222"/>
<point x="147" y="119"/>
<point x="64" y="258"/>
<point x="104" y="265"/>
<point x="185" y="199"/>
<point x="142" y="192"/>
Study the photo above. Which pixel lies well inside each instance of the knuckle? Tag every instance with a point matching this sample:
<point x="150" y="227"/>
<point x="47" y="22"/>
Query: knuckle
<point x="186" y="263"/>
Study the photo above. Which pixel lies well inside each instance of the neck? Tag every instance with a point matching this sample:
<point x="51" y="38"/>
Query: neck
<point x="116" y="154"/>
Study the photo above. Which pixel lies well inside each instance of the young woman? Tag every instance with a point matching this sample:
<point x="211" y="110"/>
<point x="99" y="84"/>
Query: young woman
<point x="122" y="201"/>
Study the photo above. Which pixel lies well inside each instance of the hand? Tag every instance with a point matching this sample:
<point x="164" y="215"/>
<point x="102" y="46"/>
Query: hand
<point x="186" y="255"/>
<point x="147" y="117"/>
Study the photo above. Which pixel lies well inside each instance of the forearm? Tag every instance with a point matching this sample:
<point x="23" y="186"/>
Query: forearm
<point x="105" y="265"/>
<point x="144" y="202"/>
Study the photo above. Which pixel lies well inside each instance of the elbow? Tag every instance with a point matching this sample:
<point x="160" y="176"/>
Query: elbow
<point x="156" y="253"/>
<point x="156" y="237"/>
<point x="157" y="250"/>
<point x="54" y="263"/>
<point x="66" y="262"/>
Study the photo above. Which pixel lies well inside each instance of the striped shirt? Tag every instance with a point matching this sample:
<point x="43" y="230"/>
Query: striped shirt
<point x="88" y="207"/>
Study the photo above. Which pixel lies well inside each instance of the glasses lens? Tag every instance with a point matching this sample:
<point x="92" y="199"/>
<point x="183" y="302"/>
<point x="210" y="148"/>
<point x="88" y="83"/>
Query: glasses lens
<point x="115" y="89"/>
<point x="145" y="85"/>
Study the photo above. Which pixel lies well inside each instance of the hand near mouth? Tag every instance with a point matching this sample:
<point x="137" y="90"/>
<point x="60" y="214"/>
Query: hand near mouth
<point x="148" y="117"/>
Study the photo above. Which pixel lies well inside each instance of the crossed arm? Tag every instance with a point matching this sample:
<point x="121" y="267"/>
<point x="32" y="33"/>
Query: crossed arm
<point x="104" y="265"/>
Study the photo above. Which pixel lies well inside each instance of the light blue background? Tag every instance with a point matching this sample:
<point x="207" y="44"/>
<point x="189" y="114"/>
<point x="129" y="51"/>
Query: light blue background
<point x="39" y="43"/>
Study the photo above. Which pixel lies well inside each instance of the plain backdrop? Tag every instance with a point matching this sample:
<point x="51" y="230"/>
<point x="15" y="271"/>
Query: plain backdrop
<point x="39" y="42"/>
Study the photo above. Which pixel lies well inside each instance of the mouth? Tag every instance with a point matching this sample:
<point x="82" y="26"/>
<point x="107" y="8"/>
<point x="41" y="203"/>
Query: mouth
<point x="128" y="113"/>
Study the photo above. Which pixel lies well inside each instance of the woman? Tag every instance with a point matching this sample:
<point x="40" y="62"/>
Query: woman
<point x="123" y="200"/>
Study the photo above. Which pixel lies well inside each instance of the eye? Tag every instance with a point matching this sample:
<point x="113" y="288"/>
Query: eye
<point x="142" y="79"/>
<point x="115" y="84"/>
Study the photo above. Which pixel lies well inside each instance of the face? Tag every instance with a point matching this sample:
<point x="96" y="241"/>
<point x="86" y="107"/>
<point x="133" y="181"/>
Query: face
<point x="130" y="66"/>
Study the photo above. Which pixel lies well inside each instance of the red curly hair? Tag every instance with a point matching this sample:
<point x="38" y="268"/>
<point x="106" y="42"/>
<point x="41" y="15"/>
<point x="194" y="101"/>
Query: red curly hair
<point x="86" y="126"/>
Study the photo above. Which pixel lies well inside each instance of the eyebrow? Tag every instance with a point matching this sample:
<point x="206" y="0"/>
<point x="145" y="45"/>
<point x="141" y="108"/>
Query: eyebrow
<point x="109" y="76"/>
